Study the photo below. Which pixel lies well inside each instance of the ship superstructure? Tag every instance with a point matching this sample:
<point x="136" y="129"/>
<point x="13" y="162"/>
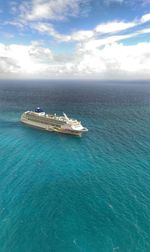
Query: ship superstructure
<point x="49" y="122"/>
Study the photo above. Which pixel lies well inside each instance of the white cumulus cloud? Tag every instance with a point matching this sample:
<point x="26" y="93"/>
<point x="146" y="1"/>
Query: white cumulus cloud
<point x="23" y="59"/>
<point x="135" y="58"/>
<point x="145" y="18"/>
<point x="113" y="61"/>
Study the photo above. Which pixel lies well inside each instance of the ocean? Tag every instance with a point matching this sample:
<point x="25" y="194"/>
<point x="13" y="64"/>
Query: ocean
<point x="62" y="193"/>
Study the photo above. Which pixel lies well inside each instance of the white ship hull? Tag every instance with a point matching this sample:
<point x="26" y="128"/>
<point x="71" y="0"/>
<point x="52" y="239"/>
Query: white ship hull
<point x="51" y="128"/>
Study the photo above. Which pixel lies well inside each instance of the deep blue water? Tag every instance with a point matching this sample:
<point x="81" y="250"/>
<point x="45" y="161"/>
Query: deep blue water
<point x="60" y="193"/>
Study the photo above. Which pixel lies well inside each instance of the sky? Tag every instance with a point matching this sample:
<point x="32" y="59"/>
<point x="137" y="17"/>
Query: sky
<point x="75" y="39"/>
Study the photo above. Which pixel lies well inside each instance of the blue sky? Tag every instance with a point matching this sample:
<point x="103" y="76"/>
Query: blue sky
<point x="99" y="39"/>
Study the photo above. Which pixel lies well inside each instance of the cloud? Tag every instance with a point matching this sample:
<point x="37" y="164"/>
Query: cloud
<point x="84" y="35"/>
<point x="143" y="31"/>
<point x="116" y="61"/>
<point x="103" y="56"/>
<point x="113" y="61"/>
<point x="8" y="65"/>
<point x="107" y="29"/>
<point x="51" y="10"/>
<point x="99" y="52"/>
<point x="111" y="39"/>
<point x="49" y="29"/>
<point x="145" y="18"/>
<point x="23" y="59"/>
<point x="39" y="15"/>
<point x="114" y="26"/>
<point x="39" y="54"/>
<point x="75" y="36"/>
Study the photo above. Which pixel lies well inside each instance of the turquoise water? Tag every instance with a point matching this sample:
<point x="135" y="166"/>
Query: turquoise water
<point x="61" y="193"/>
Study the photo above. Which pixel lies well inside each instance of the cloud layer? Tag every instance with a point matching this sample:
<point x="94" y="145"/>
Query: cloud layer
<point x="100" y="52"/>
<point x="114" y="61"/>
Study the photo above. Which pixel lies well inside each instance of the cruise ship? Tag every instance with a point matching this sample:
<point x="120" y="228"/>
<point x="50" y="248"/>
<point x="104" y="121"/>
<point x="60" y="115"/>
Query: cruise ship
<point x="62" y="124"/>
